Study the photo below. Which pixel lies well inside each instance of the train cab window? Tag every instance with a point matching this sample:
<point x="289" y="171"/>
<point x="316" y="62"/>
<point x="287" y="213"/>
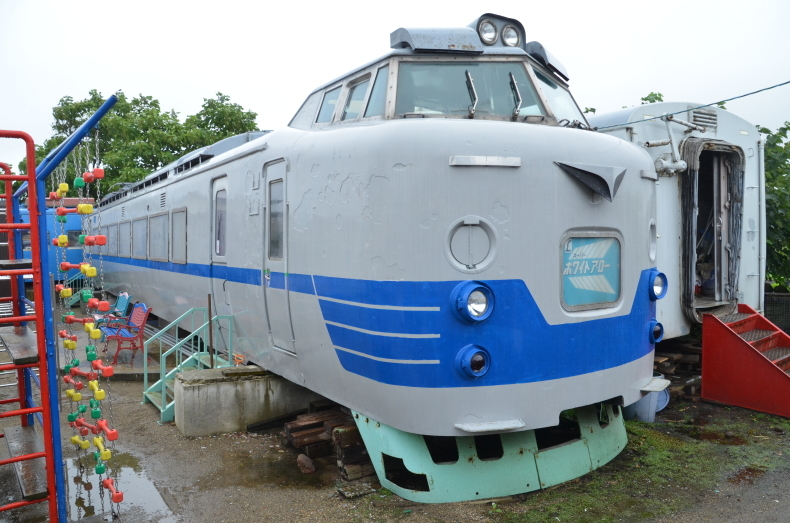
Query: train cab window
<point x="443" y="89"/>
<point x="328" y="106"/>
<point x="561" y="101"/>
<point x="356" y="97"/>
<point x="179" y="236"/>
<point x="140" y="238"/>
<point x="276" y="224"/>
<point x="378" y="96"/>
<point x="220" y="225"/>
<point x="125" y="239"/>
<point x="158" y="245"/>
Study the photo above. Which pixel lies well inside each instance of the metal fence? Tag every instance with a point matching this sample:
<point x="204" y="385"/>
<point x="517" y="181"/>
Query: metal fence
<point x="777" y="309"/>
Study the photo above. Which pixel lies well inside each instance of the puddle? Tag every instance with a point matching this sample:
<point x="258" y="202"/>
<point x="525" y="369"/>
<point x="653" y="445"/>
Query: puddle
<point x="87" y="497"/>
<point x="747" y="476"/>
<point x="276" y="471"/>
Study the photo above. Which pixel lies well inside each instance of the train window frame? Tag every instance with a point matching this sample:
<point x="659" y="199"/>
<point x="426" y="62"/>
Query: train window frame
<point x="133" y="255"/>
<point x="326" y="91"/>
<point x="560" y="85"/>
<point x="526" y="61"/>
<point x="180" y="210"/>
<point x="590" y="233"/>
<point x="129" y="239"/>
<point x="284" y="211"/>
<point x="219" y="184"/>
<point x="387" y="91"/>
<point x="112" y="239"/>
<point x="167" y="238"/>
<point x="351" y="85"/>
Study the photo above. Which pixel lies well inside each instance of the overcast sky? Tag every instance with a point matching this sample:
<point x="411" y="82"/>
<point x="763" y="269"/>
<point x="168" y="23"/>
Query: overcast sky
<point x="267" y="55"/>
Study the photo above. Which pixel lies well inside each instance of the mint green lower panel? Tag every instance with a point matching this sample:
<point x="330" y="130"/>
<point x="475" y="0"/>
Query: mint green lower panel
<point x="522" y="468"/>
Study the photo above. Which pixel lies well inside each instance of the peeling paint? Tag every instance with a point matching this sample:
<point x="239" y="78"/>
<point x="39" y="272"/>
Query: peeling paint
<point x="498" y="212"/>
<point x="305" y="211"/>
<point x="401" y="166"/>
<point x="382" y="271"/>
<point x="428" y="222"/>
<point x="338" y="222"/>
<point x="751" y="234"/>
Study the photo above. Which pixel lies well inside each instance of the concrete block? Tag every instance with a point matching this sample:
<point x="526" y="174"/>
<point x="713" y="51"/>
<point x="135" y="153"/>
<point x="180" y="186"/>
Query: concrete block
<point x="211" y="401"/>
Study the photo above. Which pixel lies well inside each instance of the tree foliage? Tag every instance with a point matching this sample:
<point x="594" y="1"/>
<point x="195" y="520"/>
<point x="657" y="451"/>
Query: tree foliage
<point x="652" y="98"/>
<point x="777" y="203"/>
<point x="137" y="137"/>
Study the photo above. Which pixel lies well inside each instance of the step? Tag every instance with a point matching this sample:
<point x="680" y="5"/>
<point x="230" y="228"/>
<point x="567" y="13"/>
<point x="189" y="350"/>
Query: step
<point x="755" y="334"/>
<point x="31" y="473"/>
<point x="777" y="354"/>
<point x="205" y="360"/>
<point x="170" y="385"/>
<point x="8" y="265"/>
<point x="736" y="316"/>
<point x="155" y="397"/>
<point x="21" y="344"/>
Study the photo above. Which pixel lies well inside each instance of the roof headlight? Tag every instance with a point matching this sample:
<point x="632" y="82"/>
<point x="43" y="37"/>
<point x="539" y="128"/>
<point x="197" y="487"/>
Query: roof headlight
<point x="510" y="36"/>
<point x="487" y="31"/>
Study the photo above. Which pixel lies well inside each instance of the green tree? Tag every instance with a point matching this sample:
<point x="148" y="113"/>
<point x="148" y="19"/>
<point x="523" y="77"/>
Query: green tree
<point x="137" y="137"/>
<point x="777" y="203"/>
<point x="652" y="98"/>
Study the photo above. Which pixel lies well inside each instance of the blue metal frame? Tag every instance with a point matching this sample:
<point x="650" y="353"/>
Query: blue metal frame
<point x="45" y="168"/>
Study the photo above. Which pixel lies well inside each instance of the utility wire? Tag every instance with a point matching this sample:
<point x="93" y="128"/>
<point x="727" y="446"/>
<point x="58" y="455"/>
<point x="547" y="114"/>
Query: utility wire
<point x="695" y="108"/>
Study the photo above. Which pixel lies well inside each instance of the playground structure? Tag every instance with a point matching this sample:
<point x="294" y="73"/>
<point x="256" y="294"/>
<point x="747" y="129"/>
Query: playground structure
<point x="38" y="458"/>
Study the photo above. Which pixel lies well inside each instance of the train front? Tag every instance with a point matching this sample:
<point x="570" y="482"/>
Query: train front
<point x="494" y="302"/>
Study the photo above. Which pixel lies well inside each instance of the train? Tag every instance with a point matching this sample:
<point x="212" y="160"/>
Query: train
<point x="440" y="242"/>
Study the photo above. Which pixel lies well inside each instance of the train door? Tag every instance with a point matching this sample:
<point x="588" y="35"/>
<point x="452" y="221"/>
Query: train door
<point x="219" y="229"/>
<point x="712" y="201"/>
<point x="275" y="280"/>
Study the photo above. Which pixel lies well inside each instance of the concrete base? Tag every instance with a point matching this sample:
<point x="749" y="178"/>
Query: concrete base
<point x="213" y="401"/>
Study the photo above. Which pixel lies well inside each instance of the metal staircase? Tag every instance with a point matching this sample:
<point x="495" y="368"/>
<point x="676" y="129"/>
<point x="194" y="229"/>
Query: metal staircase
<point x="193" y="351"/>
<point x="746" y="362"/>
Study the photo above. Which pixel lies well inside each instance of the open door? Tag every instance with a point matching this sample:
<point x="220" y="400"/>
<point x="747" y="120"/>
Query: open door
<point x="712" y="199"/>
<point x="275" y="280"/>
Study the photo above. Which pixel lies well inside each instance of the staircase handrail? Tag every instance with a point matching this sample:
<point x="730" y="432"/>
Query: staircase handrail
<point x="191" y="313"/>
<point x="176" y="349"/>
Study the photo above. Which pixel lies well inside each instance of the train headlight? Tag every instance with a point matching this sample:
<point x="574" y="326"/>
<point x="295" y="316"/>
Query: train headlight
<point x="472" y="301"/>
<point x="510" y="36"/>
<point x="473" y="361"/>
<point x="658" y="285"/>
<point x="487" y="31"/>
<point x="656" y="333"/>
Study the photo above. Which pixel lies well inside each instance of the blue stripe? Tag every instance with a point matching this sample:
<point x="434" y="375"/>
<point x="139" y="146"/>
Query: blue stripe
<point x="222" y="272"/>
<point x="396" y="293"/>
<point x="382" y="320"/>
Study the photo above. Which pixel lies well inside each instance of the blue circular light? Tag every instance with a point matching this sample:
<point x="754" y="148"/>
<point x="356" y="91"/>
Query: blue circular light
<point x="656" y="332"/>
<point x="472" y="301"/>
<point x="657" y="285"/>
<point x="473" y="361"/>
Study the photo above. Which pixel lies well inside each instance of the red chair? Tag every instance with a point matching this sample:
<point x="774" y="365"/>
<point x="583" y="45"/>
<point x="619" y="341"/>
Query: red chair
<point x="129" y="331"/>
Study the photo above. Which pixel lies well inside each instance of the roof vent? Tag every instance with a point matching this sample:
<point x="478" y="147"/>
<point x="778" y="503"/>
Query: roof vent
<point x="707" y="118"/>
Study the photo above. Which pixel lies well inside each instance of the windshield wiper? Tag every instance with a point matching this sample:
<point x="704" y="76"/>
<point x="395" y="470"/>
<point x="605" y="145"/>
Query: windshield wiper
<point x="516" y="95"/>
<point x="470" y="85"/>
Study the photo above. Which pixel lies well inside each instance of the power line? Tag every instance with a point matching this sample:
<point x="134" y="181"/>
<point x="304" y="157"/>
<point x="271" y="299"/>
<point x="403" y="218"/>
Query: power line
<point x="695" y="108"/>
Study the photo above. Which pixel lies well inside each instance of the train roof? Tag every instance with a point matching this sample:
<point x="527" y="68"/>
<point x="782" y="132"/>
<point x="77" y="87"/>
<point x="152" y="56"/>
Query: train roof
<point x="188" y="161"/>
<point x="698" y="113"/>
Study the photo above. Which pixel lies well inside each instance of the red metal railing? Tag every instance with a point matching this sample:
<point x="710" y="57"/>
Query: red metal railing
<point x="18" y="316"/>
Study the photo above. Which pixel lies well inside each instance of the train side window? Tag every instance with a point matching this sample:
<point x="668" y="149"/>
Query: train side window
<point x="112" y="240"/>
<point x="276" y="224"/>
<point x="158" y="245"/>
<point x="26" y="242"/>
<point x="74" y="239"/>
<point x="140" y="238"/>
<point x="328" y="106"/>
<point x="221" y="217"/>
<point x="125" y="239"/>
<point x="356" y="97"/>
<point x="378" y="96"/>
<point x="178" y="236"/>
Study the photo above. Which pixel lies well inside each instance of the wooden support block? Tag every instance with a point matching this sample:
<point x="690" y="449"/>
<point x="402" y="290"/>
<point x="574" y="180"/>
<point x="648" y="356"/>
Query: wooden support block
<point x="689" y="358"/>
<point x="659" y="359"/>
<point x="318" y="449"/>
<point x="321" y="405"/>
<point x="357" y="470"/>
<point x="271" y="423"/>
<point x="330" y="425"/>
<point x="306" y="437"/>
<point x="673" y="356"/>
<point x="346" y="436"/>
<point x="355" y="454"/>
<point x="31" y="473"/>
<point x="311" y="421"/>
